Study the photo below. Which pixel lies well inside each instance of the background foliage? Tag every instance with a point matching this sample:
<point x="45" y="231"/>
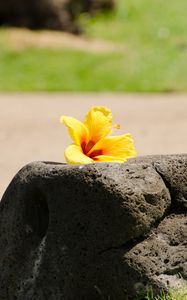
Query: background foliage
<point x="149" y="53"/>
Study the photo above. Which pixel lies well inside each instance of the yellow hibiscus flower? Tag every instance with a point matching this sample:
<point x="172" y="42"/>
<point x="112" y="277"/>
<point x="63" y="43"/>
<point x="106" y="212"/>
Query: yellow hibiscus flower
<point x="91" y="143"/>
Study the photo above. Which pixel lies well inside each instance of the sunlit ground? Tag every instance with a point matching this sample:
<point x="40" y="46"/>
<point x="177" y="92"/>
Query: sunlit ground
<point x="30" y="127"/>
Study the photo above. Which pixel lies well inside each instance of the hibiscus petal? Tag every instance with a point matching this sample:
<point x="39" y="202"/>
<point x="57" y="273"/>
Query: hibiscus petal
<point x="99" y="123"/>
<point x="117" y="146"/>
<point x="74" y="155"/>
<point x="107" y="158"/>
<point x="77" y="130"/>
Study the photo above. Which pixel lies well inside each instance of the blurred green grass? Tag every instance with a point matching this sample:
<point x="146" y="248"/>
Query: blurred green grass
<point x="177" y="294"/>
<point x="150" y="55"/>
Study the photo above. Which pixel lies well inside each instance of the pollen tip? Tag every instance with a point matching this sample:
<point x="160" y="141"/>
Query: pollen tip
<point x="117" y="126"/>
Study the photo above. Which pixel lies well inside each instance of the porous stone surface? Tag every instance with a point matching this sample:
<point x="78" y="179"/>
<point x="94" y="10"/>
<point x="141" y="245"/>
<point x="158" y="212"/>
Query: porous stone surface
<point x="98" y="231"/>
<point x="52" y="14"/>
<point x="162" y="257"/>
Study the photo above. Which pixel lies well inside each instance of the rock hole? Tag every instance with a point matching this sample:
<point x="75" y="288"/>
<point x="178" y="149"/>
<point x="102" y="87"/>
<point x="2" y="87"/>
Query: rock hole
<point x="151" y="199"/>
<point x="37" y="213"/>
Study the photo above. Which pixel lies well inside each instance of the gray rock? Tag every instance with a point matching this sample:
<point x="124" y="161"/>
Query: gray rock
<point x="174" y="174"/>
<point x="73" y="232"/>
<point x="173" y="170"/>
<point x="161" y="258"/>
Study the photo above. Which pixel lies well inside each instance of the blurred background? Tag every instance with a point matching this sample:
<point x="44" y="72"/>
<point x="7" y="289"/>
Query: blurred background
<point x="117" y="45"/>
<point x="64" y="56"/>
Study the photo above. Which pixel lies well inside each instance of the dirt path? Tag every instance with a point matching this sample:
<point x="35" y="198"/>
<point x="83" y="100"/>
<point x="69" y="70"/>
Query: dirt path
<point x="20" y="39"/>
<point x="30" y="128"/>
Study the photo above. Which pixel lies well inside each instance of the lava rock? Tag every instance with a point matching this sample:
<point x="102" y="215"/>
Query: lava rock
<point x="174" y="174"/>
<point x="162" y="257"/>
<point x="73" y="232"/>
<point x="173" y="170"/>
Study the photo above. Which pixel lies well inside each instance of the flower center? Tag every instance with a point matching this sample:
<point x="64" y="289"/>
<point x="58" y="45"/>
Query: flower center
<point x="95" y="153"/>
<point x="87" y="147"/>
